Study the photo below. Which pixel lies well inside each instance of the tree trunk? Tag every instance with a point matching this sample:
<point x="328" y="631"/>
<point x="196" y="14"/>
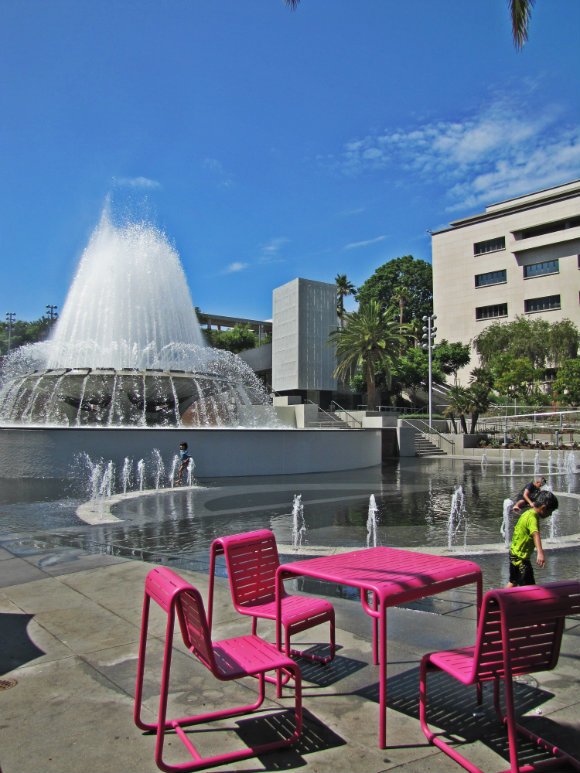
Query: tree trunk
<point x="463" y="424"/>
<point x="474" y="418"/>
<point x="371" y="392"/>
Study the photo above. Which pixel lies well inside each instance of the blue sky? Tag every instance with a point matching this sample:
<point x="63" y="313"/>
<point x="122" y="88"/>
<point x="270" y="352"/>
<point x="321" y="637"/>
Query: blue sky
<point x="270" y="144"/>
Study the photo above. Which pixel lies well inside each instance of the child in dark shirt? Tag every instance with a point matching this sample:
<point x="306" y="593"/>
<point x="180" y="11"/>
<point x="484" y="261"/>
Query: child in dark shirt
<point x="527" y="496"/>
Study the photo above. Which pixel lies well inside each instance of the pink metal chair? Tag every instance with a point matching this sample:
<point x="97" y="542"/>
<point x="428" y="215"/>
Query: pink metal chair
<point x="227" y="660"/>
<point x="519" y="632"/>
<point x="251" y="561"/>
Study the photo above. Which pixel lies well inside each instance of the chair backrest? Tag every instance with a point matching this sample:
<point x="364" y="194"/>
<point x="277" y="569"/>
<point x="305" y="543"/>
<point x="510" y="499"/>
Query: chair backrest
<point x="251" y="560"/>
<point x="170" y="590"/>
<point x="520" y="629"/>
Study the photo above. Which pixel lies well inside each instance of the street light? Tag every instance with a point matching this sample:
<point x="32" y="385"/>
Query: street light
<point x="428" y="337"/>
<point x="52" y="312"/>
<point x="10" y="317"/>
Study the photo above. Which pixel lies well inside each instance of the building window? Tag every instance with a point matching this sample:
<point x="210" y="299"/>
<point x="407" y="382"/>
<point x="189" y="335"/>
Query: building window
<point x="489" y="312"/>
<point x="548" y="228"/>
<point x="542" y="304"/>
<point x="491" y="278"/>
<point x="538" y="269"/>
<point x="489" y="245"/>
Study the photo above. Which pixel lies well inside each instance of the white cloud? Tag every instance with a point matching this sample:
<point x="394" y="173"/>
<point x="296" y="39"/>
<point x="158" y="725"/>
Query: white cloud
<point x="502" y="150"/>
<point x="137" y="182"/>
<point x="234" y="267"/>
<point x="366" y="243"/>
<point x="271" y="251"/>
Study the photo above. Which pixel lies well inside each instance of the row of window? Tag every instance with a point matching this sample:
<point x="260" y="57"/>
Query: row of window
<point x="530" y="271"/>
<point x="531" y="305"/>
<point x="492" y="245"/>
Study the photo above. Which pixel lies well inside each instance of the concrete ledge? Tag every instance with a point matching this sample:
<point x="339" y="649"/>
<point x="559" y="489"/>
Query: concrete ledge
<point x="218" y="453"/>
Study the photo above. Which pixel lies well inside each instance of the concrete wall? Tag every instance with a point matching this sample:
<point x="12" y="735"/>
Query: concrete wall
<point x="51" y="453"/>
<point x="304" y="314"/>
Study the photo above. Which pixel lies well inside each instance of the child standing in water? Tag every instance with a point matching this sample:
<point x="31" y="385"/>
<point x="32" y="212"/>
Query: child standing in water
<point x="185" y="459"/>
<point x="527" y="538"/>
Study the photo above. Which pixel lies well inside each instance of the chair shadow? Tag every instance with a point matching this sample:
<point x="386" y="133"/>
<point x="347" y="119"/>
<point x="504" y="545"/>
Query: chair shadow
<point x="316" y="737"/>
<point x="454" y="709"/>
<point x="325" y="675"/>
<point x="16" y="646"/>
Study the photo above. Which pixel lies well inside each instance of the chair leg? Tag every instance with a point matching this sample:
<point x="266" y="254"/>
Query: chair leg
<point x="514" y="729"/>
<point x="198" y="762"/>
<point x="429" y="734"/>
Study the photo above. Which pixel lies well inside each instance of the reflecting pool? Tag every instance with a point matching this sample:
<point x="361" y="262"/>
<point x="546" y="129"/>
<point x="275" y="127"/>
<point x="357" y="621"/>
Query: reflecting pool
<point x="413" y="500"/>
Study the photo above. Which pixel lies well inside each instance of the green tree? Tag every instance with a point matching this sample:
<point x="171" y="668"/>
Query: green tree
<point x="236" y="340"/>
<point x="24" y="332"/>
<point x="411" y="371"/>
<point x="543" y="343"/>
<point x="449" y="357"/>
<point x="344" y="287"/>
<point x="564" y="341"/>
<point x="566" y="386"/>
<point x="369" y="342"/>
<point x="514" y="377"/>
<point x="386" y="287"/>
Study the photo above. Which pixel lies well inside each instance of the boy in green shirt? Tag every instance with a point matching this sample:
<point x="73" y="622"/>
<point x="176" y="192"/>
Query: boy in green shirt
<point x="526" y="537"/>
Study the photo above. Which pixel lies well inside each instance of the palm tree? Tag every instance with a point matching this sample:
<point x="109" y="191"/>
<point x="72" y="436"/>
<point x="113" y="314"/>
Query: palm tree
<point x="370" y="341"/>
<point x="344" y="287"/>
<point x="401" y="296"/>
<point x="458" y="406"/>
<point x="520" y="11"/>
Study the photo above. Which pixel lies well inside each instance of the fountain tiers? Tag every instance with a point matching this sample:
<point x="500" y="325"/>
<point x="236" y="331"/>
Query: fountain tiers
<point x="130" y="397"/>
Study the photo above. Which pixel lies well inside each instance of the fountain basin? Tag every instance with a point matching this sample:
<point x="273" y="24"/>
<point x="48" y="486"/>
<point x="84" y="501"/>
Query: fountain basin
<point x="50" y="452"/>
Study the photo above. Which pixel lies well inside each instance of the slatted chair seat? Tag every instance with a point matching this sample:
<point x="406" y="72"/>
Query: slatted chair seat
<point x="519" y="632"/>
<point x="227" y="660"/>
<point x="251" y="561"/>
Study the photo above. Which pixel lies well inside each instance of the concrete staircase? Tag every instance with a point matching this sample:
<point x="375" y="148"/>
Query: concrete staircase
<point x="424" y="446"/>
<point x="326" y="420"/>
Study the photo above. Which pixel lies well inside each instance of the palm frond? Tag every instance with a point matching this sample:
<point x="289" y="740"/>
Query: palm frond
<point x="521" y="11"/>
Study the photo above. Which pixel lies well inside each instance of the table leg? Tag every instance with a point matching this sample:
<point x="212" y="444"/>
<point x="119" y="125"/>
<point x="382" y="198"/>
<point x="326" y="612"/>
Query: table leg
<point x="279" y="594"/>
<point x="382" y="621"/>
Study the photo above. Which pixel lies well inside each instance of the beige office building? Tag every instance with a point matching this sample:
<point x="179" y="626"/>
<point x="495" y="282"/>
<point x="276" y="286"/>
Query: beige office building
<point x="519" y="257"/>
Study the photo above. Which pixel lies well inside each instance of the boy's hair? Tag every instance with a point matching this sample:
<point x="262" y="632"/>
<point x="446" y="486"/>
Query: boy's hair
<point x="184" y="444"/>
<point x="547" y="499"/>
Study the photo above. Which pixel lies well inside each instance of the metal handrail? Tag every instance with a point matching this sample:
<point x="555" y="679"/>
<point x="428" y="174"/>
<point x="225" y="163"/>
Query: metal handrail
<point x="429" y="431"/>
<point x="332" y="418"/>
<point x="350" y="416"/>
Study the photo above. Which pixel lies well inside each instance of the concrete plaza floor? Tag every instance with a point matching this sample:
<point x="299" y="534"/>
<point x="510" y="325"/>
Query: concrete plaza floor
<point x="69" y="630"/>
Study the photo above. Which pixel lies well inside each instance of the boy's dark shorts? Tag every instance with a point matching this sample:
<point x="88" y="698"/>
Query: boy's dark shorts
<point x="521" y="571"/>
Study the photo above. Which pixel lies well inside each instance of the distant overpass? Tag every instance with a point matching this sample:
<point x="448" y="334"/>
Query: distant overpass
<point x="218" y="322"/>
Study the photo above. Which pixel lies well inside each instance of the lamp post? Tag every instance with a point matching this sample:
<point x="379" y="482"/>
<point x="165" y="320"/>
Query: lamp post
<point x="52" y="312"/>
<point x="10" y="317"/>
<point x="429" y="331"/>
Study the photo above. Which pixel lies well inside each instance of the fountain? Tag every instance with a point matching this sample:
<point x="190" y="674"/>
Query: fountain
<point x="457" y="516"/>
<point x="127" y="349"/>
<point x="127" y="358"/>
<point x="298" y="522"/>
<point x="505" y="529"/>
<point x="372" y="522"/>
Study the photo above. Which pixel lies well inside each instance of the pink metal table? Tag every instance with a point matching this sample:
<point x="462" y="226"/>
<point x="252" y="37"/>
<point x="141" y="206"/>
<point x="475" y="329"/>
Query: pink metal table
<point x="385" y="577"/>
